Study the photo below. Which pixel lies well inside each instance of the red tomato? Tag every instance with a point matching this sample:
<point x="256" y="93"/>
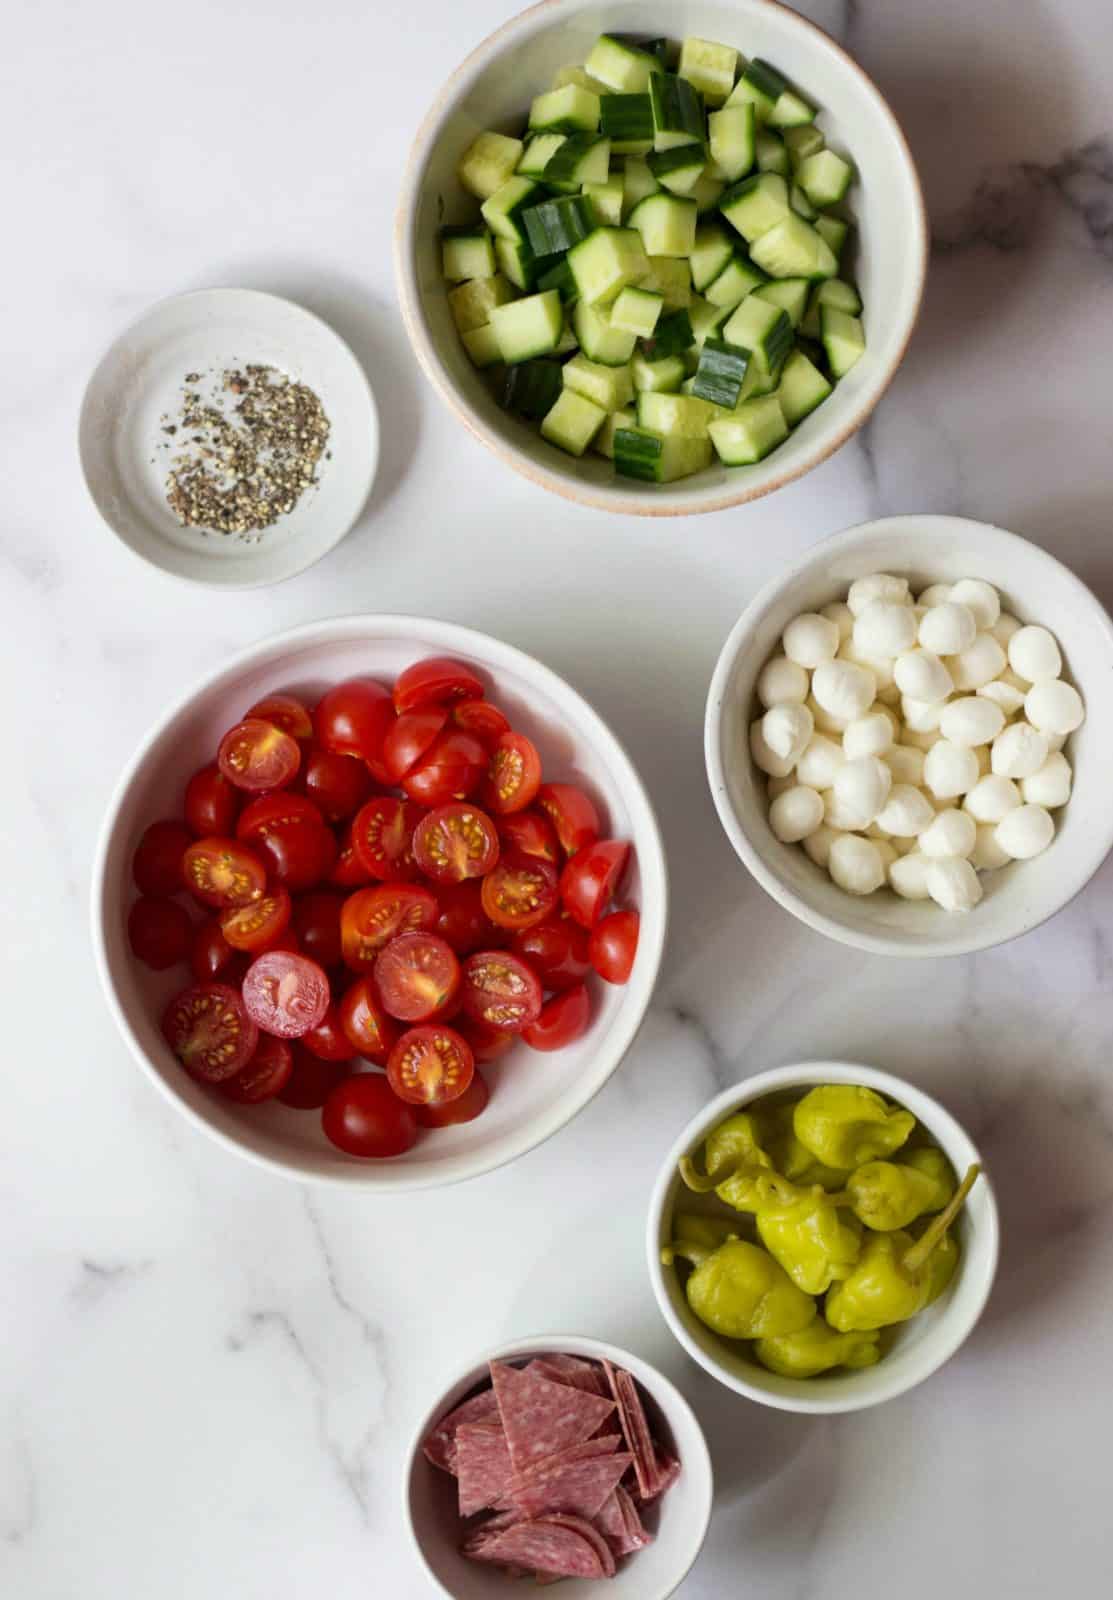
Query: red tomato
<point x="328" y="1039"/>
<point x="266" y="1074"/>
<point x="285" y="993"/>
<point x="590" y="879"/>
<point x="417" y="976"/>
<point x="515" y="774"/>
<point x="157" y="863"/>
<point x="382" y="837"/>
<point x="311" y="1081"/>
<point x="487" y="1043"/>
<point x="371" y="918"/>
<point x="211" y="802"/>
<point x="337" y="785"/>
<point x="455" y="842"/>
<point x="257" y="926"/>
<point x="481" y="718"/>
<point x="222" y="872"/>
<point x="465" y="1108"/>
<point x="563" y="1018"/>
<point x="528" y="833"/>
<point x="283" y="711"/>
<point x="451" y="769"/>
<point x="369" y="1030"/>
<point x="160" y="932"/>
<point x="501" y="990"/>
<point x="351" y="719"/>
<point x="408" y="739"/>
<point x="317" y="924"/>
<point x="430" y="1065"/>
<point x="557" y="950"/>
<point x="348" y="870"/>
<point x="299" y="854"/>
<point x="614" y="944"/>
<point x="269" y="811"/>
<point x="462" y="922"/>
<point x="364" y="1117"/>
<point x="256" y="755"/>
<point x="572" y="813"/>
<point x="209" y="1030"/>
<point x="520" y="892"/>
<point x="434" y="682"/>
<point x="212" y="957"/>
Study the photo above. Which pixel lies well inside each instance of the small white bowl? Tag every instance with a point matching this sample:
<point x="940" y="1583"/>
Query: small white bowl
<point x="493" y="89"/>
<point x="925" y="549"/>
<point x="528" y="1104"/>
<point x="125" y="455"/>
<point x="429" y="1495"/>
<point x="920" y="1346"/>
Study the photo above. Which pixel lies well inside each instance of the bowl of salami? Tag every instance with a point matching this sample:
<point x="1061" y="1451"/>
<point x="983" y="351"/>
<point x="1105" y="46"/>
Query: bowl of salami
<point x="559" y="1458"/>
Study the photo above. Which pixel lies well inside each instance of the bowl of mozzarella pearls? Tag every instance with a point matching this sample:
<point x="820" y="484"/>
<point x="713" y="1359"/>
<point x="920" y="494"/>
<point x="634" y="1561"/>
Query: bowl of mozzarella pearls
<point x="908" y="736"/>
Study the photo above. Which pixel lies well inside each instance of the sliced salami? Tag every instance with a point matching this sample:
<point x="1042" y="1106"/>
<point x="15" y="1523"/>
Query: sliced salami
<point x="578" y="1488"/>
<point x="590" y="1450"/>
<point x="545" y="1547"/>
<point x="488" y="1529"/>
<point x="668" y="1470"/>
<point x="483" y="1469"/>
<point x="635" y="1427"/>
<point x="572" y="1371"/>
<point x="542" y="1418"/>
<point x="440" y="1446"/>
<point x="592" y="1535"/>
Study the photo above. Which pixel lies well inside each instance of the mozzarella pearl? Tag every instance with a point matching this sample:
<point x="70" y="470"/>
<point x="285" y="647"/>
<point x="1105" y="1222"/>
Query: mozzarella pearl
<point x="810" y="639"/>
<point x="820" y="762"/>
<point x="1034" y="655"/>
<point x="861" y="788"/>
<point x="953" y="884"/>
<point x="1004" y="694"/>
<point x="908" y="876"/>
<point x="991" y="799"/>
<point x="884" y="629"/>
<point x="922" y="676"/>
<point x="838" y="816"/>
<point x="907" y="812"/>
<point x="1025" y="832"/>
<point x="1019" y="751"/>
<point x="1004" y="628"/>
<point x="987" y="855"/>
<point x="922" y="716"/>
<point x="981" y="598"/>
<point x="763" y="757"/>
<point x="786" y="730"/>
<point x="971" y="721"/>
<point x="936" y="594"/>
<point x="953" y="833"/>
<point x="871" y="735"/>
<point x="878" y="586"/>
<point x="1054" y="707"/>
<point x="843" y="689"/>
<point x="950" y="769"/>
<point x="855" y="864"/>
<point x="983" y="661"/>
<point x="795" y="814"/>
<point x="841" y="615"/>
<point x="947" y="629"/>
<point x="906" y="764"/>
<point x="824" y="721"/>
<point x="782" y="682"/>
<point x="817" y="846"/>
<point x="1050" y="786"/>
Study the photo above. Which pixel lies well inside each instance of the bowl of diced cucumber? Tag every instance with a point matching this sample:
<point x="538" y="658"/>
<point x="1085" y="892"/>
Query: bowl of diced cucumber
<point x="661" y="272"/>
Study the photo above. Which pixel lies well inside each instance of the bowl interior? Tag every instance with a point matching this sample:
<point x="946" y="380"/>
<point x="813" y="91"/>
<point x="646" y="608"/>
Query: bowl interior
<point x="492" y="91"/>
<point x="532" y="1095"/>
<point x="1035" y="588"/>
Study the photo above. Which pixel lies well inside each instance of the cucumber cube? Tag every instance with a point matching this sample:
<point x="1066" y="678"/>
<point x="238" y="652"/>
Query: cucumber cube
<point x="472" y="303"/>
<point x="566" y="75"/>
<point x="803" y="141"/>
<point x="793" y="249"/>
<point x="482" y="346"/>
<point x="824" y="177"/>
<point x="529" y="390"/>
<point x="627" y="120"/>
<point x="573" y="422"/>
<point x="610" y="387"/>
<point x="556" y="225"/>
<point x="678" y="415"/>
<point x="801" y="389"/>
<point x="762" y="328"/>
<point x="678" y="170"/>
<point x="844" y="339"/>
<point x="583" y="158"/>
<point x="709" y="68"/>
<point x="605" y="262"/>
<point x="660" y="377"/>
<point x="604" y="439"/>
<point x="502" y="211"/>
<point x="771" y="153"/>
<point x="721" y="373"/>
<point x="756" y="204"/>
<point x="487" y="163"/>
<point x="677" y="112"/>
<point x="655" y="459"/>
<point x="791" y="294"/>
<point x="800" y="203"/>
<point x="791" y="111"/>
<point x="606" y="200"/>
<point x="538" y="153"/>
<point x="466" y="253"/>
<point x="731" y="135"/>
<point x="738" y="279"/>
<point x="637" y="184"/>
<point x="517" y="262"/>
<point x="622" y="67"/>
<point x="636" y="311"/>
<point x="599" y="339"/>
<point x="667" y="225"/>
<point x="705" y="318"/>
<point x="750" y="432"/>
<point x="529" y="327"/>
<point x="760" y="86"/>
<point x="672" y="280"/>
<point x="565" y="110"/>
<point x="707" y="192"/>
<point x="710" y="253"/>
<point x="672" y="335"/>
<point x="833" y="231"/>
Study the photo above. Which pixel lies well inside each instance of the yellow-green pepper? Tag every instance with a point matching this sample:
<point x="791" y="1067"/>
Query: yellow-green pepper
<point x="789" y="1156"/>
<point x="817" y="1348"/>
<point x="845" y="1125"/>
<point x="941" y="1268"/>
<point x="891" y="1194"/>
<point x="806" y="1236"/>
<point x="734" y="1160"/>
<point x="739" y="1291"/>
<point x="692" y="1227"/>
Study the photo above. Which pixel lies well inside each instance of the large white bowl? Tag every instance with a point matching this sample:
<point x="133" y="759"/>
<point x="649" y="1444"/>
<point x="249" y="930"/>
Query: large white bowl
<point x="533" y="1095"/>
<point x="493" y="88"/>
<point x="926" y="549"/>
<point x="429" y="1495"/>
<point x="919" y="1347"/>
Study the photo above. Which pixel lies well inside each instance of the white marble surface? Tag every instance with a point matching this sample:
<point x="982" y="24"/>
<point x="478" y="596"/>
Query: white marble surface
<point x="207" y="1376"/>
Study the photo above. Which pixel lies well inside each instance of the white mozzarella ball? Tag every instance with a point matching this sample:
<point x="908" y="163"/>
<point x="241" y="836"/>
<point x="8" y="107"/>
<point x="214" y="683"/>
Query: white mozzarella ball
<point x="810" y="639"/>
<point x="947" y="629"/>
<point x="821" y="760"/>
<point x="950" y="769"/>
<point x="855" y="864"/>
<point x="1004" y="694"/>
<point x="841" y="615"/>
<point x="837" y="816"/>
<point x="786" y="730"/>
<point x="952" y="833"/>
<point x="906" y="764"/>
<point x="1025" y="832"/>
<point x="880" y="666"/>
<point x="861" y="788"/>
<point x="886" y="852"/>
<point x="763" y="757"/>
<point x="922" y="716"/>
<point x="1019" y="751"/>
<point x="871" y="735"/>
<point x="983" y="661"/>
<point x="782" y="682"/>
<point x="907" y="812"/>
<point x="1055" y="741"/>
<point x="921" y="675"/>
<point x="1050" y="786"/>
<point x="971" y="721"/>
<point x="981" y="598"/>
<point x="936" y="594"/>
<point x="1054" y="707"/>
<point x="884" y="629"/>
<point x="1004" y="628"/>
<point x="987" y="855"/>
<point x="824" y="721"/>
<point x="879" y="586"/>
<point x="953" y="884"/>
<point x="991" y="799"/>
<point x="817" y="846"/>
<point x="908" y="876"/>
<point x="1034" y="655"/>
<point x="776" y="786"/>
<point x="844" y="689"/>
<point x="795" y="814"/>
<point x="921" y="741"/>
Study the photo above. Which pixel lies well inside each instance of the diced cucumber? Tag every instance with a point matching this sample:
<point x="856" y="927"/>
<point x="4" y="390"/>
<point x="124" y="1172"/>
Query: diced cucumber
<point x="577" y="75"/>
<point x="801" y="389"/>
<point x="627" y="120"/>
<point x="517" y="262"/>
<point x="824" y="177"/>
<point x="559" y="277"/>
<point x="482" y="346"/>
<point x="791" y="111"/>
<point x="771" y="153"/>
<point x="472" y="303"/>
<point x="583" y="158"/>
<point x="793" y="249"/>
<point x="764" y="329"/>
<point x="833" y="292"/>
<point x="677" y="112"/>
<point x="709" y="68"/>
<point x="554" y="226"/>
<point x="681" y="416"/>
<point x="502" y="212"/>
<point x="637" y="184"/>
<point x="672" y="334"/>
<point x="690" y="358"/>
<point x="487" y="163"/>
<point x="538" y="153"/>
<point x="599" y="339"/>
<point x="738" y="279"/>
<point x="529" y="327"/>
<point x="750" y="432"/>
<point x="707" y="192"/>
<point x="710" y="253"/>
<point x="606" y="261"/>
<point x="833" y="230"/>
<point x="802" y="142"/>
<point x="761" y="85"/>
<point x="661" y="377"/>
<point x="606" y="200"/>
<point x="678" y="170"/>
<point x="844" y="339"/>
<point x="623" y="67"/>
<point x="573" y="422"/>
<point x="568" y="341"/>
<point x="672" y="280"/>
<point x="756" y="204"/>
<point x="800" y="203"/>
<point x="655" y="459"/>
<point x="732" y="140"/>
<point x="721" y="373"/>
<point x="604" y="439"/>
<point x="565" y="110"/>
<point x="529" y="390"/>
<point x="666" y="223"/>
<point x="636" y="311"/>
<point x="705" y="318"/>
<point x="791" y="294"/>
<point x="466" y="253"/>
<point x="610" y="387"/>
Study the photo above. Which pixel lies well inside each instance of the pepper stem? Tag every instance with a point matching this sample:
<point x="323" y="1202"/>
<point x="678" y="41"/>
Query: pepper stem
<point x="915" y="1260"/>
<point x="704" y="1183"/>
<point x="687" y="1250"/>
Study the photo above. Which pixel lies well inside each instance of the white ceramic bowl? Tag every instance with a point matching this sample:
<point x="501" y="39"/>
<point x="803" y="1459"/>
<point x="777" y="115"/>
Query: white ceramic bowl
<point x="493" y="88"/>
<point x="926" y="549"/>
<point x="527" y="1105"/>
<point x="920" y="1346"/>
<point x="429" y="1495"/>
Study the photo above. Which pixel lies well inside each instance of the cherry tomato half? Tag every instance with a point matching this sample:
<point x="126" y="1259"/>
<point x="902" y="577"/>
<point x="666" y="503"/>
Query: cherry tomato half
<point x="487" y="1043"/>
<point x="316" y="922"/>
<point x="222" y="872"/>
<point x="257" y="926"/>
<point x="520" y="892"/>
<point x="408" y="739"/>
<point x="465" y="1108"/>
<point x="462" y="921"/>
<point x="451" y="769"/>
<point x="337" y="785"/>
<point x="614" y="944"/>
<point x="501" y="990"/>
<point x="371" y="918"/>
<point x="352" y="718"/>
<point x="311" y="1080"/>
<point x="299" y="854"/>
<point x="209" y="1030"/>
<point x="266" y="1074"/>
<point x="529" y="833"/>
<point x="382" y="837"/>
<point x="481" y="718"/>
<point x="434" y="682"/>
<point x="256" y="755"/>
<point x="283" y="711"/>
<point x="268" y="811"/>
<point x="212" y="957"/>
<point x="348" y="871"/>
<point x="369" y="1030"/>
<point x="364" y="1117"/>
<point x="159" y="932"/>
<point x="286" y="994"/>
<point x="557" y="950"/>
<point x="590" y="879"/>
<point x="417" y="976"/>
<point x="572" y="813"/>
<point x="328" y="1039"/>
<point x="157" y="863"/>
<point x="430" y="1065"/>
<point x="563" y="1018"/>
<point x="212" y="804"/>
<point x="455" y="842"/>
<point x="515" y="774"/>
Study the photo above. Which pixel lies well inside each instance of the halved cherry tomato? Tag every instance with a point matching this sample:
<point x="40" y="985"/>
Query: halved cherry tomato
<point x="382" y="837"/>
<point x="515" y="774"/>
<point x="210" y="1031"/>
<point x="256" y="755"/>
<point x="299" y="854"/>
<point x="501" y="990"/>
<point x="160" y="932"/>
<point x="222" y="872"/>
<point x="465" y="1108"/>
<point x="528" y="833"/>
<point x="348" y="870"/>
<point x="462" y="921"/>
<point x="328" y="1039"/>
<point x="434" y="682"/>
<point x="266" y="1074"/>
<point x="212" y="957"/>
<point x="557" y="950"/>
<point x="259" y="816"/>
<point x="486" y="721"/>
<point x="520" y="892"/>
<point x="257" y="926"/>
<point x="371" y="918"/>
<point x="455" y="842"/>
<point x="430" y="1065"/>
<point x="417" y="976"/>
<point x="283" y="711"/>
<point x="451" y="769"/>
<point x="352" y="718"/>
<point x="487" y="1043"/>
<point x="614" y="944"/>
<point x="590" y="879"/>
<point x="316" y="922"/>
<point x="285" y="994"/>
<point x="370" y="1031"/>
<point x="157" y="863"/>
<point x="364" y="1117"/>
<point x="563" y="1018"/>
<point x="212" y="804"/>
<point x="311" y="1081"/>
<point x="408" y="738"/>
<point x="338" y="785"/>
<point x="572" y="813"/>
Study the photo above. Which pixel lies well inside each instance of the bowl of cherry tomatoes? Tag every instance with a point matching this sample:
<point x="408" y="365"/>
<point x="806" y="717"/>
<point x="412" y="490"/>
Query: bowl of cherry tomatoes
<point x="380" y="902"/>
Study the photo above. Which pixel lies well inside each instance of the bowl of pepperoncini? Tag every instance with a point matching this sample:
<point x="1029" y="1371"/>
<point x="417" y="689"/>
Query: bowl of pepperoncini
<point x="822" y="1237"/>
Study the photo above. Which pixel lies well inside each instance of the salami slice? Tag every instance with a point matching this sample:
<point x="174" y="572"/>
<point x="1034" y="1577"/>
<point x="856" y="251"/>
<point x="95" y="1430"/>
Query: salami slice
<point x="440" y="1446"/>
<point x="488" y="1529"/>
<point x="541" y="1418"/>
<point x="578" y="1488"/>
<point x="594" y="1538"/>
<point x="668" y="1470"/>
<point x="635" y="1427"/>
<point x="483" y="1467"/>
<point x="542" y="1547"/>
<point x="571" y="1370"/>
<point x="619" y="1522"/>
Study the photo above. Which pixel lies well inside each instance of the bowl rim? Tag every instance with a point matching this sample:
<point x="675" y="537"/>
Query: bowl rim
<point x="976" y="936"/>
<point x="373" y="440"/>
<point x="795" y="1075"/>
<point x="451" y="636"/>
<point x="472" y="1371"/>
<point x="608" y="498"/>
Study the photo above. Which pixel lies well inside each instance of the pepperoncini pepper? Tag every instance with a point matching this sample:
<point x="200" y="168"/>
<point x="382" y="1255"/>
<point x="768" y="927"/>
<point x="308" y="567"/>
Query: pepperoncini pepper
<point x="806" y="1236"/>
<point x="817" y="1348"/>
<point x="891" y="1194"/>
<point x="690" y="1227"/>
<point x="845" y="1125"/>
<point x="739" y="1291"/>
<point x="734" y="1160"/>
<point x="789" y="1156"/>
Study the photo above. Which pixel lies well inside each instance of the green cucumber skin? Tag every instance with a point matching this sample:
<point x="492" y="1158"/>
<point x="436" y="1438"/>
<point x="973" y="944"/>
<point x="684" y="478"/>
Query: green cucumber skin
<point x="554" y="226"/>
<point x="721" y="372"/>
<point x="672" y="335"/>
<point x="637" y="454"/>
<point x="530" y="390"/>
<point x="627" y="116"/>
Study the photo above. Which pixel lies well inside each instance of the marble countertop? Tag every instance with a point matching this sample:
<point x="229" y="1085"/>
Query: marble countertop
<point x="208" y="1376"/>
